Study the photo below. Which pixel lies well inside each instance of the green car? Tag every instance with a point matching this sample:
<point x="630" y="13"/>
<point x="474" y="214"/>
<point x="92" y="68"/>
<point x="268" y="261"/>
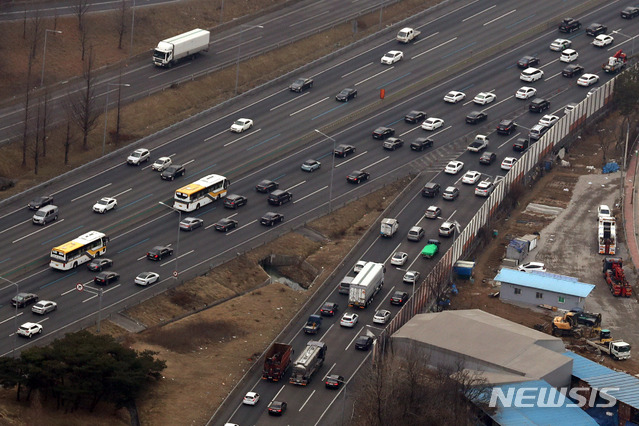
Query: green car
<point x="431" y="248"/>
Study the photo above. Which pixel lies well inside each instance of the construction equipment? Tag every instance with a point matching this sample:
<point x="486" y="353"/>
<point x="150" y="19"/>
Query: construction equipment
<point x="567" y="325"/>
<point x="615" y="277"/>
<point x="607" y="235"/>
<point x="617" y="349"/>
<point x="616" y="63"/>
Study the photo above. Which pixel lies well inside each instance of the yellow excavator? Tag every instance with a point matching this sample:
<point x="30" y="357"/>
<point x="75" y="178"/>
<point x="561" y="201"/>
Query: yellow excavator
<point x="576" y="324"/>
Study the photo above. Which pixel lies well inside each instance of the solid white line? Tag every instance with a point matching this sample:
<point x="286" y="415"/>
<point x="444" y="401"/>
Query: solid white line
<point x="39" y="230"/>
<point x="11" y="317"/>
<point x="355" y="70"/>
<point x="278" y="392"/>
<point x="307" y="399"/>
<point x="433" y="48"/>
<point x="499" y="17"/>
<point x="296" y="185"/>
<point x="123" y="192"/>
<point x="91" y="192"/>
<point x="312" y="193"/>
<point x="242" y="137"/>
<point x="350" y="159"/>
<point x="307" y="107"/>
<point x="17" y="224"/>
<point x="290" y="100"/>
<point x="479" y="13"/>
<point x="374" y="75"/>
<point x="354" y="337"/>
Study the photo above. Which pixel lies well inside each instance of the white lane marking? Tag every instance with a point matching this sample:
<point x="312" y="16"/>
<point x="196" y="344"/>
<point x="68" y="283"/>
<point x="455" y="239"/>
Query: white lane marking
<point x="296" y="185"/>
<point x="11" y="317"/>
<point x="426" y="38"/>
<point x="509" y="139"/>
<point x="357" y="69"/>
<point x="244" y="226"/>
<point x="307" y="399"/>
<point x="123" y="192"/>
<point x="39" y="230"/>
<point x="374" y="75"/>
<point x="237" y="45"/>
<point x="350" y="159"/>
<point x="17" y="224"/>
<point x="384" y="298"/>
<point x="91" y="192"/>
<point x="312" y="193"/>
<point x="176" y="258"/>
<point x="290" y="100"/>
<point x="308" y="19"/>
<point x="307" y="107"/>
<point x="242" y="137"/>
<point x="499" y="17"/>
<point x="377" y="162"/>
<point x="354" y="337"/>
<point x="216" y="135"/>
<point x="103" y="292"/>
<point x="433" y="48"/>
<point x="479" y="13"/>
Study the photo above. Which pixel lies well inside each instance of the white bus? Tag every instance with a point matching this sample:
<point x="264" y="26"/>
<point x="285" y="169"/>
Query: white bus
<point x="78" y="251"/>
<point x="200" y="193"/>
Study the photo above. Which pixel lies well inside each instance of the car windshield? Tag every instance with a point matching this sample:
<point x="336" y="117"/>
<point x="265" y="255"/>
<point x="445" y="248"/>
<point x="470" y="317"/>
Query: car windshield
<point x="239" y="123"/>
<point x="299" y="81"/>
<point x="344" y="92"/>
<point x="136" y="154"/>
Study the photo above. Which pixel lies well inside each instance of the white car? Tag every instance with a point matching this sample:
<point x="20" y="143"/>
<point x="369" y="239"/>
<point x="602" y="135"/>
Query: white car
<point x="446" y="229"/>
<point x="484" y="189"/>
<point x="44" y="307"/>
<point x="568" y="108"/>
<point x="411" y="277"/>
<point x="548" y="120"/>
<point x="251" y="398"/>
<point x="569" y="55"/>
<point x="391" y="57"/>
<point x="471" y="177"/>
<point x="146" y="278"/>
<point x="603" y="40"/>
<point x="531" y="74"/>
<point x="359" y="266"/>
<point x="508" y="163"/>
<point x="138" y="156"/>
<point x="592" y="92"/>
<point x="588" y="80"/>
<point x="348" y="320"/>
<point x="484" y="98"/>
<point x="526" y="92"/>
<point x="603" y="211"/>
<point x="454" y="167"/>
<point x="560" y="44"/>
<point x="432" y="123"/>
<point x="454" y="96"/>
<point x="532" y="266"/>
<point x="241" y="125"/>
<point x="161" y="164"/>
<point x="105" y="204"/>
<point x="399" y="258"/>
<point x="382" y="316"/>
<point x="28" y="329"/>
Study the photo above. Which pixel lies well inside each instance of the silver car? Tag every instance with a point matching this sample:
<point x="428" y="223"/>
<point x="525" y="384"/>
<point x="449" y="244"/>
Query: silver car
<point x="44" y="307"/>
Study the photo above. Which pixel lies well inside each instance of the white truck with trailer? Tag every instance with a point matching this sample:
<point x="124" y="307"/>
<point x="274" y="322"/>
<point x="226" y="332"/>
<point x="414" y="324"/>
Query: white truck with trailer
<point x="389" y="227"/>
<point x="187" y="45"/>
<point x="310" y="360"/>
<point x="406" y="35"/>
<point x="365" y="285"/>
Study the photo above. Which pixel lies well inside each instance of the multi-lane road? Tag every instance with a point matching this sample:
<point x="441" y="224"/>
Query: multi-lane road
<point x="282" y="138"/>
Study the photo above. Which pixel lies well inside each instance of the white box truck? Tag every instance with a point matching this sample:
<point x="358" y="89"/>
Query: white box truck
<point x="187" y="45"/>
<point x="365" y="285"/>
<point x="388" y="227"/>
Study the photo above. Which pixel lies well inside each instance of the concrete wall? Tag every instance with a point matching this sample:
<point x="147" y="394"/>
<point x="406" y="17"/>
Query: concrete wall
<point x="528" y="296"/>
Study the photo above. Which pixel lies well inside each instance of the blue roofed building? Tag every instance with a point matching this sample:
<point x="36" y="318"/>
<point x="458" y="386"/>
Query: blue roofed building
<point x="542" y="288"/>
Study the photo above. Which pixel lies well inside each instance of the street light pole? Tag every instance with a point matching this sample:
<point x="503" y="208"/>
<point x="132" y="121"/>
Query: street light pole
<point x="632" y="38"/>
<point x="239" y="46"/>
<point x="177" y="245"/>
<point x="330" y="185"/>
<point x="106" y="111"/>
<point x="44" y="55"/>
<point x="15" y="318"/>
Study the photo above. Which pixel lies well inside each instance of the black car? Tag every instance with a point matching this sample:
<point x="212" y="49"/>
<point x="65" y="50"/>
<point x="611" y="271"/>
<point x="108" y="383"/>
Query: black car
<point x="343" y="150"/>
<point x="24" y="299"/>
<point x="173" y="171"/>
<point x="346" y="95"/>
<point x="271" y="218"/>
<point x="521" y="145"/>
<point x="399" y="298"/>
<point x="357" y="176"/>
<point x="487" y="158"/>
<point x="506" y="127"/>
<point x="233" y="201"/>
<point x="266" y="186"/>
<point x="301" y="84"/>
<point x="106" y="278"/>
<point x="572" y="70"/>
<point x="415" y="117"/>
<point x="383" y="132"/>
<point x="226" y="224"/>
<point x="421" y="144"/>
<point x="159" y="252"/>
<point x="279" y="197"/>
<point x="475" y="117"/>
<point x="569" y="25"/>
<point x="98" y="264"/>
<point x="430" y="190"/>
<point x="630" y="12"/>
<point x="329" y="309"/>
<point x="334" y="381"/>
<point x="539" y="105"/>
<point x="38" y="202"/>
<point x="392" y="144"/>
<point x="276" y="408"/>
<point x="528" y="61"/>
<point x="595" y="29"/>
<point x="363" y="342"/>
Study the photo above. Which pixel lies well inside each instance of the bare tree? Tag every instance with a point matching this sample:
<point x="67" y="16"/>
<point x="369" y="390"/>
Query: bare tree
<point x="80" y="8"/>
<point x="35" y="34"/>
<point x="45" y="115"/>
<point x="122" y="20"/>
<point x="83" y="104"/>
<point x="84" y="41"/>
<point x="36" y="150"/>
<point x="25" y="130"/>
<point x="605" y="140"/>
<point x="67" y="142"/>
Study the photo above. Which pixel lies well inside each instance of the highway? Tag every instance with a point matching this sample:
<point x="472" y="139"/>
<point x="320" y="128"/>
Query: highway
<point x="275" y="149"/>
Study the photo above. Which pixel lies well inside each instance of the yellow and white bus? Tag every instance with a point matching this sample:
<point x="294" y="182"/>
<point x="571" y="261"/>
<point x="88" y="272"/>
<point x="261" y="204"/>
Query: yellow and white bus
<point x="200" y="193"/>
<point x="78" y="251"/>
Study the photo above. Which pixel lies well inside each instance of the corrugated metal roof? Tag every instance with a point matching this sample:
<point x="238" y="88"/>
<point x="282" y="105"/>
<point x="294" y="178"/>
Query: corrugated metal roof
<point x="599" y="377"/>
<point x="547" y="416"/>
<point x="543" y="281"/>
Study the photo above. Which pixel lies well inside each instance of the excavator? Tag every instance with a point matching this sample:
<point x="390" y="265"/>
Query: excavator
<point x="576" y="324"/>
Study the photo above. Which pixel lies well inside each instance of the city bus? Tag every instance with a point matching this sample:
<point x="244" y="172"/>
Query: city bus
<point x="200" y="193"/>
<point x="78" y="251"/>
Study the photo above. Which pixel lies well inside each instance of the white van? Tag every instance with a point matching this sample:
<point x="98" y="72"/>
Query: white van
<point x="45" y="215"/>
